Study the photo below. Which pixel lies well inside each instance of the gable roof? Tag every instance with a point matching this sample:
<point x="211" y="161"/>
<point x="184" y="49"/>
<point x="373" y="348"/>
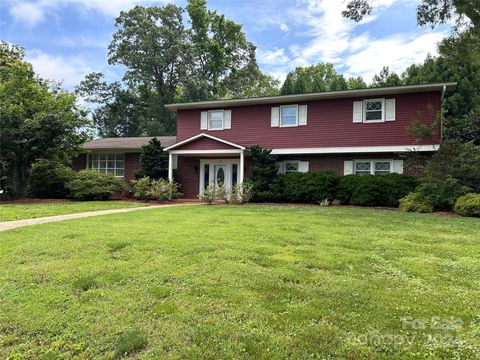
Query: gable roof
<point x="313" y="96"/>
<point x="203" y="135"/>
<point x="130" y="143"/>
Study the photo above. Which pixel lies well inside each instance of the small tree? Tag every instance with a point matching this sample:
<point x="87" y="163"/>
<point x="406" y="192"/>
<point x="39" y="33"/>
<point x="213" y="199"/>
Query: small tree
<point x="265" y="179"/>
<point x="153" y="161"/>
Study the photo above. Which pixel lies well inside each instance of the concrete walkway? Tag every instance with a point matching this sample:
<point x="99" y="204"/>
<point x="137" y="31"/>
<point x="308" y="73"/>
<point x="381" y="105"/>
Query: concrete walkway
<point x="8" y="225"/>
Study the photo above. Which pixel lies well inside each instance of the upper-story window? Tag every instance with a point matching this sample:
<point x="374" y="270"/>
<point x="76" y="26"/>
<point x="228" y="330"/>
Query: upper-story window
<point x="215" y="120"/>
<point x="107" y="163"/>
<point x="289" y="115"/>
<point x="374" y="109"/>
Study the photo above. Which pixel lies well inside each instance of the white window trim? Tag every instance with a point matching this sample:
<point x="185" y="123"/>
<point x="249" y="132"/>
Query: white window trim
<point x="283" y="166"/>
<point x="115" y="168"/>
<point x="365" y="111"/>
<point x="223" y="120"/>
<point x="372" y="164"/>
<point x="280" y="116"/>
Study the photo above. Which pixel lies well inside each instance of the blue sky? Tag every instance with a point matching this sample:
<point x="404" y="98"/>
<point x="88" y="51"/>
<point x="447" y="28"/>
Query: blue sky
<point x="65" y="39"/>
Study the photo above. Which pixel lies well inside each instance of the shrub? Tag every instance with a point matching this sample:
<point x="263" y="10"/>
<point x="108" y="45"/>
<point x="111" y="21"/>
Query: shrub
<point x="153" y="161"/>
<point x="161" y="189"/>
<point x="48" y="180"/>
<point x="130" y="342"/>
<point x="385" y="190"/>
<point x="239" y="194"/>
<point x="416" y="202"/>
<point x="91" y="185"/>
<point x="212" y="193"/>
<point x="265" y="177"/>
<point x="308" y="187"/>
<point x="442" y="193"/>
<point x="468" y="205"/>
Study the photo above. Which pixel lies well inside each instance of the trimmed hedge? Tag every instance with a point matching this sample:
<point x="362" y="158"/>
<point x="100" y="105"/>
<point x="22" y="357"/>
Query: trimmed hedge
<point x="371" y="190"/>
<point x="416" y="202"/>
<point x="468" y="205"/>
<point x="308" y="187"/>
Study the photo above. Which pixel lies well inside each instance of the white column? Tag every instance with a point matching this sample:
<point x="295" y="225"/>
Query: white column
<point x="242" y="160"/>
<point x="170" y="167"/>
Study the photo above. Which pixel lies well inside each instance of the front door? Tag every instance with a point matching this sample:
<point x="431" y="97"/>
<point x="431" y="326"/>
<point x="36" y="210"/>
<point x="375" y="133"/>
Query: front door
<point x="219" y="171"/>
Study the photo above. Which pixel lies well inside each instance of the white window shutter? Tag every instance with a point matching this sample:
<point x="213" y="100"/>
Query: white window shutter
<point x="275" y="116"/>
<point x="227" y="119"/>
<point x="303" y="166"/>
<point x="302" y="114"/>
<point x="390" y="110"/>
<point x="280" y="167"/>
<point x="174" y="162"/>
<point x="357" y="111"/>
<point x="398" y="166"/>
<point x="348" y="167"/>
<point x="204" y="120"/>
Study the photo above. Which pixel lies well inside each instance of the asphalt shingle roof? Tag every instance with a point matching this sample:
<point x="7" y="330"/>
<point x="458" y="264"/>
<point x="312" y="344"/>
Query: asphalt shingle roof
<point x="127" y="142"/>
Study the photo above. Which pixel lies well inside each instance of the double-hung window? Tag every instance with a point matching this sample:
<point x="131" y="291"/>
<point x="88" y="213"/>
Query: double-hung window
<point x="107" y="163"/>
<point x="291" y="167"/>
<point x="289" y="115"/>
<point x="288" y="166"/>
<point x="374" y="110"/>
<point x="215" y="120"/>
<point x="372" y="167"/>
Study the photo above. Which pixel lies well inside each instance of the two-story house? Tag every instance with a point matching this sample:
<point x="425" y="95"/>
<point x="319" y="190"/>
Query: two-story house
<point x="348" y="132"/>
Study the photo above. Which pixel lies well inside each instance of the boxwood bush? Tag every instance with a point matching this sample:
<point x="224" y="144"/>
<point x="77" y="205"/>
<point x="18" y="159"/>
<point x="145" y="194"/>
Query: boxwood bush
<point x="373" y="190"/>
<point x="416" y="202"/>
<point x="468" y="205"/>
<point x="308" y="187"/>
<point x="91" y="185"/>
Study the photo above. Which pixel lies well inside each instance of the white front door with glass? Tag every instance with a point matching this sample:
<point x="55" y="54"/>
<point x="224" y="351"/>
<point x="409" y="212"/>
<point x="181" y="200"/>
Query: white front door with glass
<point x="218" y="172"/>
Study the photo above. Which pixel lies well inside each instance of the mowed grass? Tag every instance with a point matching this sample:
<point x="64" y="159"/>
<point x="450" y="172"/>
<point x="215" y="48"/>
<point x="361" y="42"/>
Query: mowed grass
<point x="234" y="282"/>
<point x="9" y="212"/>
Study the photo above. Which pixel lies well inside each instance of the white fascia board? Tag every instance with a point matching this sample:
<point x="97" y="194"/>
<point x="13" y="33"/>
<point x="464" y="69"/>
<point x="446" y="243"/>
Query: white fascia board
<point x="357" y="149"/>
<point x="193" y="138"/>
<point x="205" y="152"/>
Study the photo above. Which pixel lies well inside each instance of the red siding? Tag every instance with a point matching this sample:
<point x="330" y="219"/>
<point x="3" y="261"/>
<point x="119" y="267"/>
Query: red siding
<point x="205" y="144"/>
<point x="79" y="162"/>
<point x="329" y="124"/>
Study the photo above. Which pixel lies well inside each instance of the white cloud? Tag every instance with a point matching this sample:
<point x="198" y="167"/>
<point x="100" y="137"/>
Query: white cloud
<point x="272" y="57"/>
<point x="29" y="14"/>
<point x="284" y="27"/>
<point x="69" y="70"/>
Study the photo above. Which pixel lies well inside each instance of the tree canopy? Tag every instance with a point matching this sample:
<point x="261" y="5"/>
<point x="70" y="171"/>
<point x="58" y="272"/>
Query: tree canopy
<point x="38" y="120"/>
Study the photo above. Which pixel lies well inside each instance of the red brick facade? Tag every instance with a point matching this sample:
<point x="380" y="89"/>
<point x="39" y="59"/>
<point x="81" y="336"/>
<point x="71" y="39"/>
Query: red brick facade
<point x="132" y="164"/>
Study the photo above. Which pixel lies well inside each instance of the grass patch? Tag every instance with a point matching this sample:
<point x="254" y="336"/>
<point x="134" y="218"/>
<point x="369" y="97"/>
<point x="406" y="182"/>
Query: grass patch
<point x="250" y="282"/>
<point x="10" y="212"/>
<point x="130" y="342"/>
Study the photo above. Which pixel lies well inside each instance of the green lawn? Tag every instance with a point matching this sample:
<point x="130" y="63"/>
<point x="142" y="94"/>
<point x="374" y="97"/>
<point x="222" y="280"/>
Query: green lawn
<point x="237" y="282"/>
<point x="9" y="212"/>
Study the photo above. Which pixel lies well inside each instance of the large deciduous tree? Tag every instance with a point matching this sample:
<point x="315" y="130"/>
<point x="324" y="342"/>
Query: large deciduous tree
<point x="38" y="120"/>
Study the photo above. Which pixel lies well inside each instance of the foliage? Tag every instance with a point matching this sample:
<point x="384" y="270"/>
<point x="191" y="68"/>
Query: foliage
<point x="130" y="342"/>
<point x="153" y="161"/>
<point x="152" y="189"/>
<point x="308" y="187"/>
<point x="230" y="269"/>
<point x="468" y="205"/>
<point x="264" y="175"/>
<point x="212" y="193"/>
<point x="442" y="193"/>
<point x="318" y="78"/>
<point x="386" y="78"/>
<point x="163" y="190"/>
<point x="48" y="179"/>
<point x="239" y="193"/>
<point x="92" y="185"/>
<point x="465" y="128"/>
<point x="429" y="12"/>
<point x="416" y="202"/>
<point x="166" y="62"/>
<point x="371" y="190"/>
<point x="38" y="119"/>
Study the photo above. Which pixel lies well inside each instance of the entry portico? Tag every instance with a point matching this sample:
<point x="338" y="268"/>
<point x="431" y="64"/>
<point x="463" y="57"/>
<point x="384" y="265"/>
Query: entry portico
<point x="214" y="161"/>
